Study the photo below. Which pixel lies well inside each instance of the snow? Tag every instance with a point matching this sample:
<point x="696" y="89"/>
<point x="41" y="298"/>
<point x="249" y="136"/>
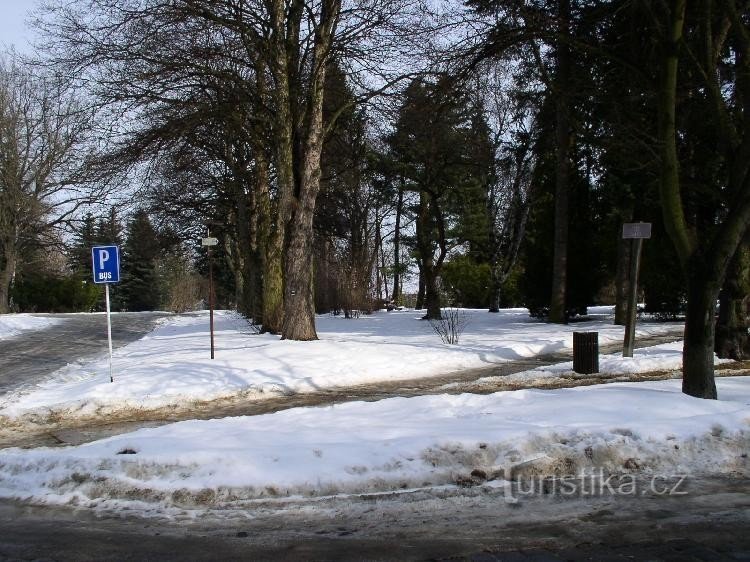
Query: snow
<point x="663" y="357"/>
<point x="362" y="447"/>
<point x="13" y="324"/>
<point x="171" y="366"/>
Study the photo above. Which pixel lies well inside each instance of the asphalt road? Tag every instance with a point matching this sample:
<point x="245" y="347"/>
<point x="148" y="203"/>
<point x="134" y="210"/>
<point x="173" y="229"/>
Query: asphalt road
<point x="31" y="356"/>
<point x="709" y="523"/>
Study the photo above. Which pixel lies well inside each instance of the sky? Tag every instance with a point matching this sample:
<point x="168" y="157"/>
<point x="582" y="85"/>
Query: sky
<point x="13" y="30"/>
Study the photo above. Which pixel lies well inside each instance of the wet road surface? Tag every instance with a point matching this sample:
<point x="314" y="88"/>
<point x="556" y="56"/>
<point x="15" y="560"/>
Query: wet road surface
<point x="31" y="356"/>
<point x="709" y="523"/>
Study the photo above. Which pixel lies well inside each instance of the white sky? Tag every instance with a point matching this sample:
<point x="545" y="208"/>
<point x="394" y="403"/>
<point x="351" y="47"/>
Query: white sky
<point x="13" y="29"/>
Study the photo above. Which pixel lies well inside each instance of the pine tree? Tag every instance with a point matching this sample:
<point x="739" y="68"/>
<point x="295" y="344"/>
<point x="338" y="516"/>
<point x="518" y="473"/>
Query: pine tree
<point x="140" y="288"/>
<point x="109" y="233"/>
<point x="437" y="144"/>
<point x="80" y="253"/>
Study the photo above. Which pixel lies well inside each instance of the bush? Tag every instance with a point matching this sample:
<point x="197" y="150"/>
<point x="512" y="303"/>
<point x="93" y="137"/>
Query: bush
<point x="467" y="282"/>
<point x="49" y="293"/>
<point x="451" y="325"/>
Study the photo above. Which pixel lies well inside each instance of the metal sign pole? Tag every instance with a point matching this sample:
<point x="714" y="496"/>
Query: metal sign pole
<point x="109" y="331"/>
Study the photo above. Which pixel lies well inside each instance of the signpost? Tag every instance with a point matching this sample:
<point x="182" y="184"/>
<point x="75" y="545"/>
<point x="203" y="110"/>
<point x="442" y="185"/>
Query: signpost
<point x="209" y="242"/>
<point x="106" y="267"/>
<point x="637" y="232"/>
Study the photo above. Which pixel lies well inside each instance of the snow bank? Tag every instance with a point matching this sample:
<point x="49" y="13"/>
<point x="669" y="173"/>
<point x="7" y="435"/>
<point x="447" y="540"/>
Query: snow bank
<point x="396" y="443"/>
<point x="13" y="324"/>
<point x="171" y="366"/>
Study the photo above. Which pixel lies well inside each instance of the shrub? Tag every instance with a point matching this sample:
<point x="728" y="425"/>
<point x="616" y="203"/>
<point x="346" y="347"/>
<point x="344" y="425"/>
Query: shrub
<point x="451" y="325"/>
<point x="49" y="293"/>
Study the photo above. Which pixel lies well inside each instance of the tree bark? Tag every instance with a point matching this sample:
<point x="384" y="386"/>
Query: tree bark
<point x="397" y="244"/>
<point x="557" y="312"/>
<point x="382" y="274"/>
<point x="429" y="268"/>
<point x="419" y="305"/>
<point x="432" y="295"/>
<point x="299" y="304"/>
<point x="262" y="221"/>
<point x="7" y="270"/>
<point x="698" y="351"/>
<point x="732" y="340"/>
<point x="495" y="287"/>
<point x="283" y="144"/>
<point x="246" y="254"/>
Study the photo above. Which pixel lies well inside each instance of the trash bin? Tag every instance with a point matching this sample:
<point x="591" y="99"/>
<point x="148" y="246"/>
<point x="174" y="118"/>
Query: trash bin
<point x="586" y="352"/>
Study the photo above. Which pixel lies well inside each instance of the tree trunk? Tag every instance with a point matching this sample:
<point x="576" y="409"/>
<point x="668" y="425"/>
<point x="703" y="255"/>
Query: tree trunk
<point x="246" y="254"/>
<point x="397" y="245"/>
<point x="299" y="302"/>
<point x="7" y="270"/>
<point x="262" y="221"/>
<point x="429" y="270"/>
<point x="283" y="144"/>
<point x="432" y="294"/>
<point x="557" y="311"/>
<point x="732" y="340"/>
<point x="382" y="281"/>
<point x="495" y="287"/>
<point x="299" y="305"/>
<point x="704" y="261"/>
<point x="698" y="351"/>
<point x="419" y="305"/>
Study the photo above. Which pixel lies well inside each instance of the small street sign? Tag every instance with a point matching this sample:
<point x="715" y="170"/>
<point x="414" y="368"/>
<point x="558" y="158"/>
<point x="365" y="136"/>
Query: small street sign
<point x="636" y="230"/>
<point x="210" y="241"/>
<point x="106" y="264"/>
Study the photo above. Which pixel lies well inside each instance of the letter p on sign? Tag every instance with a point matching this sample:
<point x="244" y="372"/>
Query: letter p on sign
<point x="106" y="262"/>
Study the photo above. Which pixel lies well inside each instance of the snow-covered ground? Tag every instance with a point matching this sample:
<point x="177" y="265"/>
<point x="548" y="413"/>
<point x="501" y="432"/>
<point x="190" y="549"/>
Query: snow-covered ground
<point x="663" y="357"/>
<point x="394" y="444"/>
<point x="171" y="366"/>
<point x="13" y="324"/>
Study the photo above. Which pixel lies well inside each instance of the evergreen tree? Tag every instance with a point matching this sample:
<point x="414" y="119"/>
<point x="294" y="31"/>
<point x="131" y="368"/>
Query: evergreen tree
<point x="109" y="230"/>
<point x="80" y="253"/>
<point x="438" y="145"/>
<point x="109" y="233"/>
<point x="140" y="288"/>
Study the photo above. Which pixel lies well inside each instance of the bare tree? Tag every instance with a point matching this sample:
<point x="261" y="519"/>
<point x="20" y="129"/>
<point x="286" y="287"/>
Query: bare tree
<point x="151" y="56"/>
<point x="44" y="143"/>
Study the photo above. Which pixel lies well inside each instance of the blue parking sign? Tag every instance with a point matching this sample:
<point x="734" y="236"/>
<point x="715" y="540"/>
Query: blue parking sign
<point x="106" y="262"/>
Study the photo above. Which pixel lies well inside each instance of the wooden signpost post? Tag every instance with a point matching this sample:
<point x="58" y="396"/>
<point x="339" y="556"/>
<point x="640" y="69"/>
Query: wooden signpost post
<point x="637" y="232"/>
<point x="209" y="242"/>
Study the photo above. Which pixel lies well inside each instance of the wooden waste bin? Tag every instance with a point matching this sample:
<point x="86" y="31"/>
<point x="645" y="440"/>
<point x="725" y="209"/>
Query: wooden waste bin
<point x="586" y="352"/>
